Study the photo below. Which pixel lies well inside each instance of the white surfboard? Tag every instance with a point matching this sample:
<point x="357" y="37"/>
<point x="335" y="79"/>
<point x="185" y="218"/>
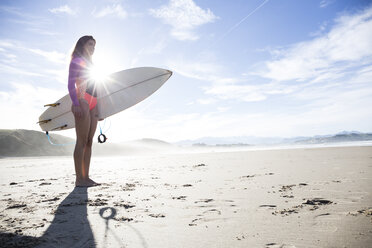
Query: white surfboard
<point x="120" y="91"/>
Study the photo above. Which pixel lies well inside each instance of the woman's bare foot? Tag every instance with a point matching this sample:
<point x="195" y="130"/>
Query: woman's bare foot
<point x="85" y="183"/>
<point x="95" y="183"/>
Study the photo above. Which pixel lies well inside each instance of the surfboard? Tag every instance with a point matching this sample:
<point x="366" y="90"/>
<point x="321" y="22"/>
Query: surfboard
<point x="121" y="90"/>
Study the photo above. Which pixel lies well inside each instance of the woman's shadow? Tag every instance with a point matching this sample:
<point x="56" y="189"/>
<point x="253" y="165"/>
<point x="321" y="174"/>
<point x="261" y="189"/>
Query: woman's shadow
<point x="70" y="226"/>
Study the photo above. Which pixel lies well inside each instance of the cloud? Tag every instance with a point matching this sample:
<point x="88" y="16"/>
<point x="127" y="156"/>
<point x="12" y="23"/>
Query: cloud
<point x="17" y="59"/>
<point x="7" y="44"/>
<point x="347" y="45"/>
<point x="206" y="101"/>
<point x="208" y="71"/>
<point x="6" y="69"/>
<point x="63" y="9"/>
<point x="20" y="48"/>
<point x="334" y="111"/>
<point x="113" y="10"/>
<point x="325" y="3"/>
<point x="34" y="23"/>
<point x="184" y="16"/>
<point x="363" y="75"/>
<point x="343" y="55"/>
<point x="168" y="127"/>
<point x="247" y="93"/>
<point x="222" y="87"/>
<point x="43" y="32"/>
<point x="24" y="104"/>
<point x="153" y="49"/>
<point x="13" y="10"/>
<point x="52" y="56"/>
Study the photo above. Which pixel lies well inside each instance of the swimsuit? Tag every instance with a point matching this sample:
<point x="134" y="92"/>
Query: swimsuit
<point x="78" y="75"/>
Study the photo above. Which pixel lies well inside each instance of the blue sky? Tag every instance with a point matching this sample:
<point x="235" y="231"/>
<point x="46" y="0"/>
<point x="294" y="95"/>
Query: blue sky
<point x="257" y="68"/>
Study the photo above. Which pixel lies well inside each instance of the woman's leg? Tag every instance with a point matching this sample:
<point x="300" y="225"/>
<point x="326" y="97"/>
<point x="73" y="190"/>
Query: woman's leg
<point x="88" y="146"/>
<point x="82" y="125"/>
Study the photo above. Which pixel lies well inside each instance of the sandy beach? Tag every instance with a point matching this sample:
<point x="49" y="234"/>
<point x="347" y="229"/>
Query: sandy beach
<point x="318" y="197"/>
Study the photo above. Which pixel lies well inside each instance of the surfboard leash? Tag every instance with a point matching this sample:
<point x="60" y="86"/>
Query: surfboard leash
<point x="102" y="138"/>
<point x="50" y="141"/>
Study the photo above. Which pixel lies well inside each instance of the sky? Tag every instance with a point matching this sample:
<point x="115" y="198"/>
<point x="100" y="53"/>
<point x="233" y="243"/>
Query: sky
<point x="265" y="68"/>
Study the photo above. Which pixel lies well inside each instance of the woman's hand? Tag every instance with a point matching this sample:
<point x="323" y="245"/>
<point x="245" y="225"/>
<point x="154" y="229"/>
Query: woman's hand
<point x="77" y="111"/>
<point x="99" y="119"/>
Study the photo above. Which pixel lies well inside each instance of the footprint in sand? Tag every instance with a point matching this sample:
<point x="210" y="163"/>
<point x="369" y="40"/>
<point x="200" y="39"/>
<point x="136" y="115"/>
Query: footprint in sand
<point x="17" y="206"/>
<point x="199" y="165"/>
<point x="194" y="222"/>
<point x="317" y="201"/>
<point x="326" y="223"/>
<point x="207" y="215"/>
<point x="51" y="200"/>
<point x="267" y="206"/>
<point x="157" y="215"/>
<point x="126" y="206"/>
<point x="128" y="187"/>
<point x="367" y="212"/>
<point x="42" y="184"/>
<point x="182" y="197"/>
<point x="204" y="200"/>
<point x="125" y="219"/>
<point x="275" y="245"/>
<point x="286" y="190"/>
<point x="248" y="176"/>
<point x="212" y="211"/>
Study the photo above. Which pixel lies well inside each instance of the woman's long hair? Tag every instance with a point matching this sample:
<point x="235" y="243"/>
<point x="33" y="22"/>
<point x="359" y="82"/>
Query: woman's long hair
<point x="79" y="47"/>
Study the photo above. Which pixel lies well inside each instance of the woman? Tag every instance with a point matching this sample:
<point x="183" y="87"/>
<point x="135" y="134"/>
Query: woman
<point x="83" y="107"/>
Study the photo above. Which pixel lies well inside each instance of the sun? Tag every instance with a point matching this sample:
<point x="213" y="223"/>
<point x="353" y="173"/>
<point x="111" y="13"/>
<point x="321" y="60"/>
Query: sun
<point x="102" y="67"/>
<point x="98" y="74"/>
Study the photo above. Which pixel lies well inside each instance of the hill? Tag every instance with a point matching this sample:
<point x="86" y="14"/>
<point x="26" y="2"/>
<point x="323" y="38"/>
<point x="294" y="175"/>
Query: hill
<point x="23" y="143"/>
<point x="252" y="140"/>
<point x="341" y="137"/>
<point x="20" y="142"/>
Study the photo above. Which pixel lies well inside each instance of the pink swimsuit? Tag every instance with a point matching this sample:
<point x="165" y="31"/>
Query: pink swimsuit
<point x="78" y="75"/>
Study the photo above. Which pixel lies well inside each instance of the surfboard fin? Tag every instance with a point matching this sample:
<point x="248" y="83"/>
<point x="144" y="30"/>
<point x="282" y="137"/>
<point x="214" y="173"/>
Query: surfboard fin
<point x="43" y="121"/>
<point x="52" y="104"/>
<point x="61" y="127"/>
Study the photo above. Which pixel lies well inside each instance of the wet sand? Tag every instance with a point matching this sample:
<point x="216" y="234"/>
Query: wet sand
<point x="319" y="197"/>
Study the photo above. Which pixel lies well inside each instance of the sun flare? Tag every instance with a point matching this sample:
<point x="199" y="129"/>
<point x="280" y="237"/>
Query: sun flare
<point x="102" y="67"/>
<point x="98" y="73"/>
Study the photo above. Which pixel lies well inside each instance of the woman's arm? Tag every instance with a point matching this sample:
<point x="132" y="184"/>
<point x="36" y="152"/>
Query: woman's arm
<point x="76" y="66"/>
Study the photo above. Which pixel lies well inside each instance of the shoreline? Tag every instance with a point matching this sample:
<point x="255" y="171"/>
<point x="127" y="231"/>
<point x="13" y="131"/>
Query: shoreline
<point x="208" y="149"/>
